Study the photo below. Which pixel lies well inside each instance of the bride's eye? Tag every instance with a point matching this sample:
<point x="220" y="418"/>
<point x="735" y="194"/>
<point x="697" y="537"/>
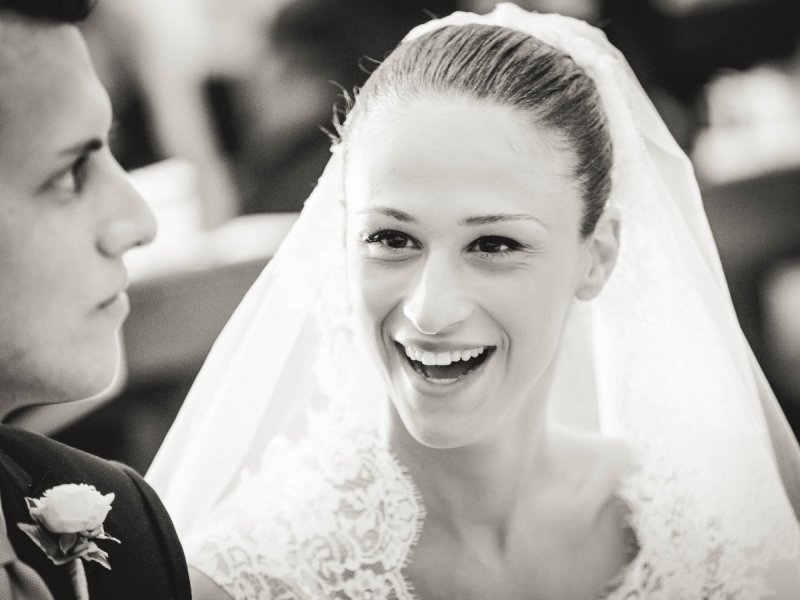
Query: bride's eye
<point x="389" y="241"/>
<point x="494" y="245"/>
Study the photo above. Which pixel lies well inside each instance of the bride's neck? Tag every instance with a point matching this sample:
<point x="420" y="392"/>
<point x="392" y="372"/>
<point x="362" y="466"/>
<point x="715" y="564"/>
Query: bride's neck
<point x="485" y="483"/>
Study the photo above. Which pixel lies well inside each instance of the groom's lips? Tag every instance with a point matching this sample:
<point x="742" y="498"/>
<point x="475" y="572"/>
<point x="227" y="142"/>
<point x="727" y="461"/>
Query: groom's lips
<point x="116" y="306"/>
<point x="109" y="301"/>
<point x="116" y="293"/>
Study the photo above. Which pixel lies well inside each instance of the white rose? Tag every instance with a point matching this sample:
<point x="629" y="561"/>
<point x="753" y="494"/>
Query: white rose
<point x="71" y="508"/>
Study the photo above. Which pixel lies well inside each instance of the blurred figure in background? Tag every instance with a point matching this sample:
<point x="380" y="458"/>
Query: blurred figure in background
<point x="316" y="49"/>
<point x="241" y="89"/>
<point x="676" y="46"/>
<point x="160" y="62"/>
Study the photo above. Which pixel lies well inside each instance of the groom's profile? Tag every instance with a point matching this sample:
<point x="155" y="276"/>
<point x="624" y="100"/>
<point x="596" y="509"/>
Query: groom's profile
<point x="67" y="216"/>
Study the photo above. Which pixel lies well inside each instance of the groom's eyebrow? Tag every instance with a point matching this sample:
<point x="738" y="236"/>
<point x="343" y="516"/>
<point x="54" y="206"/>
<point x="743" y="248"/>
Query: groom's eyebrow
<point x="85" y="147"/>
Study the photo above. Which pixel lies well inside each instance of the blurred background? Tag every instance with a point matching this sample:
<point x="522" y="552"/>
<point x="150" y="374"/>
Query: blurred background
<point x="221" y="107"/>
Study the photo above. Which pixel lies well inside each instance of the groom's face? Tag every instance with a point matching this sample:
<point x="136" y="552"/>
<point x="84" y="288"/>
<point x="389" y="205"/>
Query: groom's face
<point x="67" y="216"/>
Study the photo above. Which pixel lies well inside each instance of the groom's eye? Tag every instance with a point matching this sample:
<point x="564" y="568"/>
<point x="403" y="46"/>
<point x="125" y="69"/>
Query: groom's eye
<point x="71" y="180"/>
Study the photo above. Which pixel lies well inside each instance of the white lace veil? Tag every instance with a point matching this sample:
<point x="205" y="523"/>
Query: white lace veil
<point x="659" y="357"/>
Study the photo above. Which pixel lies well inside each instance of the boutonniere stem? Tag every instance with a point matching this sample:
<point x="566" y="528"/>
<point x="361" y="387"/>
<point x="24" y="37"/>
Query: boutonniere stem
<point x="79" y="583"/>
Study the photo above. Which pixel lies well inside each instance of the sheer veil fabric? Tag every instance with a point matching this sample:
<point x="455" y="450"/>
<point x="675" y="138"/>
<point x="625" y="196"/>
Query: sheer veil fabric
<point x="659" y="358"/>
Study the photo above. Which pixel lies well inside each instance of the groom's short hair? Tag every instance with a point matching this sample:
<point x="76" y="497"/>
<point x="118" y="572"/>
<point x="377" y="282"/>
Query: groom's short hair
<point x="59" y="11"/>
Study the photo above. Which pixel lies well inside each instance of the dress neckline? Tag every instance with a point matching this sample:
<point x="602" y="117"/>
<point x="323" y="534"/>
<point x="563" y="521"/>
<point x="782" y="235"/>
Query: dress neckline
<point x="619" y="586"/>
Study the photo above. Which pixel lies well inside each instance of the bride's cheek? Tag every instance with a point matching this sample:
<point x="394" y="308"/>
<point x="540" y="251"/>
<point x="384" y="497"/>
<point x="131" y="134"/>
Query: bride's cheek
<point x="371" y="301"/>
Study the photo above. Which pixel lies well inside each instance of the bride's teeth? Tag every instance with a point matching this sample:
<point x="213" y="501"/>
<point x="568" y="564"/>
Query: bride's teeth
<point x="428" y="359"/>
<point x="443" y="359"/>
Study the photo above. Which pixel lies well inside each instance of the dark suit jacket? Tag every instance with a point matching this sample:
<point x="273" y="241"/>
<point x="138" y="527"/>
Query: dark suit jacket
<point x="148" y="564"/>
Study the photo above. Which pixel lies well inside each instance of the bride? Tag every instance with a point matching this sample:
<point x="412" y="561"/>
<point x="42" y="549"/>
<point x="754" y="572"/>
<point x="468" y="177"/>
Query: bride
<point x="495" y="358"/>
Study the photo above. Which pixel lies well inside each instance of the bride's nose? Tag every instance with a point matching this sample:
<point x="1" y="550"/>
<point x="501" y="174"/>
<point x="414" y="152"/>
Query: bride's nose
<point x="437" y="300"/>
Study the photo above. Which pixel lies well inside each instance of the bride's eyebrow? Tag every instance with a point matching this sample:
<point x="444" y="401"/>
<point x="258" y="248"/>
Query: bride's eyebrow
<point x="393" y="213"/>
<point x="405" y="217"/>
<point x="498" y="218"/>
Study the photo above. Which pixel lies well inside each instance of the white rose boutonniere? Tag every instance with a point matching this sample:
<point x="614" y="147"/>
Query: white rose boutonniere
<point x="68" y="519"/>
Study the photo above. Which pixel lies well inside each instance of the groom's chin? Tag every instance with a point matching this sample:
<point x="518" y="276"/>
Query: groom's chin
<point x="97" y="372"/>
<point x="104" y="377"/>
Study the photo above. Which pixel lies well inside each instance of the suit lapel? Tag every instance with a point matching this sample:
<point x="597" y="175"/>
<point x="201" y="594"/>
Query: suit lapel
<point x="40" y="485"/>
<point x="14" y="475"/>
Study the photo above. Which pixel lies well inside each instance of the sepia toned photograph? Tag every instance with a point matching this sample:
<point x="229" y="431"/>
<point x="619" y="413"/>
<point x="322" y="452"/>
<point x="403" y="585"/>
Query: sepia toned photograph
<point x="384" y="300"/>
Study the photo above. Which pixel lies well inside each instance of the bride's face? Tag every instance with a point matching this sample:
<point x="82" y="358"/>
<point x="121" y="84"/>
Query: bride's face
<point x="464" y="254"/>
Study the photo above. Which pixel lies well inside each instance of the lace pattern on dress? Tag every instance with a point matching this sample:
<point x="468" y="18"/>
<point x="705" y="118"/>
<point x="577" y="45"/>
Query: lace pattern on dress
<point x="331" y="516"/>
<point x="718" y="553"/>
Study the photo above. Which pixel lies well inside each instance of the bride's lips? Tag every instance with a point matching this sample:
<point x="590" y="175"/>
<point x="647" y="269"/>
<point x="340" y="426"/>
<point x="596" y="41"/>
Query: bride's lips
<point x="443" y="365"/>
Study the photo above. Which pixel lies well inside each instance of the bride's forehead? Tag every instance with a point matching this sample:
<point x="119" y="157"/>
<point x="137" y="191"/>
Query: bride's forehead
<point x="447" y="147"/>
<point x="435" y="115"/>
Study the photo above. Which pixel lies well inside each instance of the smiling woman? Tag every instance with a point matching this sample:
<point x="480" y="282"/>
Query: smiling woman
<point x="456" y="277"/>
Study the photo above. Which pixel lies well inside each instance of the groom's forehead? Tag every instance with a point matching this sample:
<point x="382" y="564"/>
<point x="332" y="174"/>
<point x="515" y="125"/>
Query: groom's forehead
<point x="43" y="66"/>
<point x="22" y="40"/>
<point x="34" y="48"/>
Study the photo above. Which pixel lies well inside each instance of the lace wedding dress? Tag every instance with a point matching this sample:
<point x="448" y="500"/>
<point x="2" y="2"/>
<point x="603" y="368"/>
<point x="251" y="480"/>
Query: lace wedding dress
<point x="336" y="516"/>
<point x="275" y="504"/>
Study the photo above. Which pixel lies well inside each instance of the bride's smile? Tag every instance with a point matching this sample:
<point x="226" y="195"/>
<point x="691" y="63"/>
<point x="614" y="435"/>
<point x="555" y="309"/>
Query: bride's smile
<point x="437" y="374"/>
<point x="443" y="366"/>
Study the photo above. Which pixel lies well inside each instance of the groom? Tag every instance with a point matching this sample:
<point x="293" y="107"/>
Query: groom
<point x="67" y="217"/>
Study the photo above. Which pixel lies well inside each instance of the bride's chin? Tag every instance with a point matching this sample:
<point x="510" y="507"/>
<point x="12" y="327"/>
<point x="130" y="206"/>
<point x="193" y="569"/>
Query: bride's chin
<point x="439" y="431"/>
<point x="437" y="415"/>
<point x="437" y="437"/>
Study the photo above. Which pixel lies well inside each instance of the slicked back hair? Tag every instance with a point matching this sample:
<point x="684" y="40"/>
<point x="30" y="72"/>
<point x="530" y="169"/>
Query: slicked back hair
<point x="58" y="11"/>
<point x="508" y="68"/>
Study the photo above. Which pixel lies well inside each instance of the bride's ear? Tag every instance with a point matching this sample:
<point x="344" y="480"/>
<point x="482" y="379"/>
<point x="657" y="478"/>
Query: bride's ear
<point x="602" y="248"/>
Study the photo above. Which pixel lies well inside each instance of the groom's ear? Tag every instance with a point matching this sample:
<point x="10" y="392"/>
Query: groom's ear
<point x="602" y="248"/>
